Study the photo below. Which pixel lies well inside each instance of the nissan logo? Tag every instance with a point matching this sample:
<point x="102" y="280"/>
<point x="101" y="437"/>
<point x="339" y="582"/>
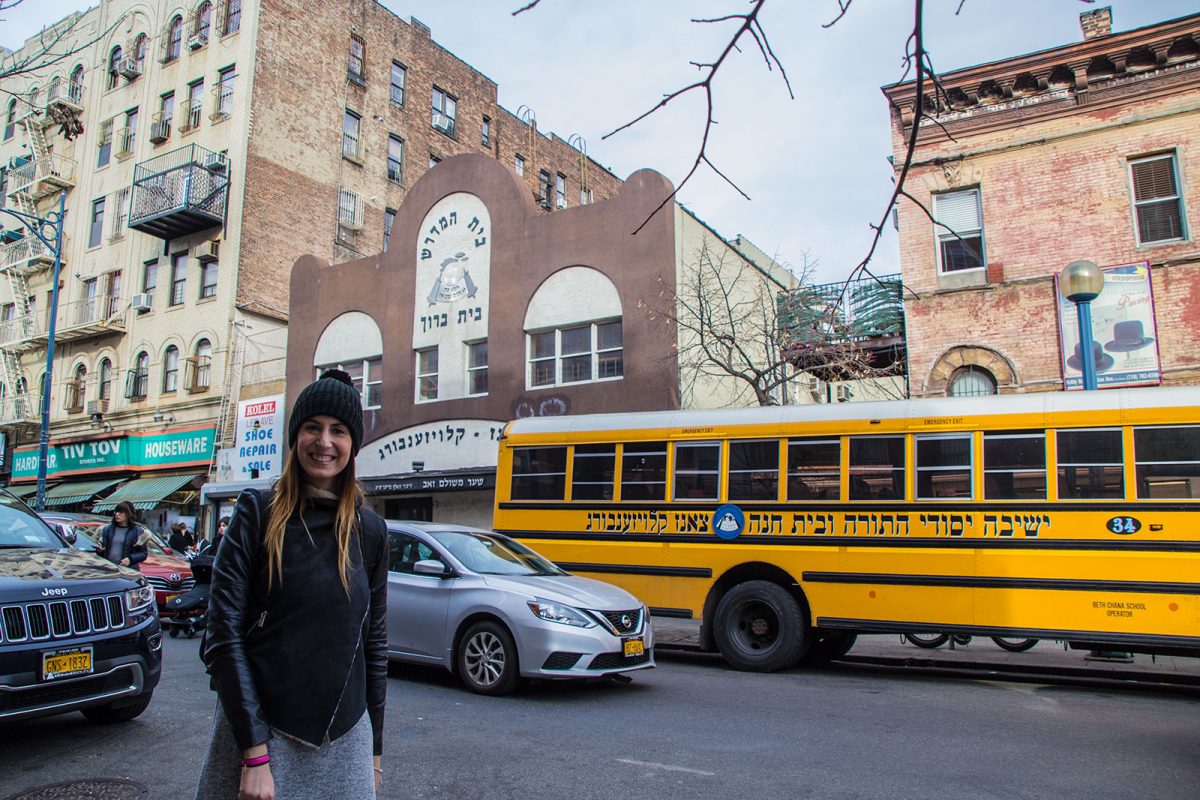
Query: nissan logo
<point x="173" y="577"/>
<point x="626" y="622"/>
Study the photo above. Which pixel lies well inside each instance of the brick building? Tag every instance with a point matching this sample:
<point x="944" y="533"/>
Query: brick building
<point x="1086" y="151"/>
<point x="201" y="152"/>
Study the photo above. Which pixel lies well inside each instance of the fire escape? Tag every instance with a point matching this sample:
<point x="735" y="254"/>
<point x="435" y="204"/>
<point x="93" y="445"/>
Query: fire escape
<point x="181" y="192"/>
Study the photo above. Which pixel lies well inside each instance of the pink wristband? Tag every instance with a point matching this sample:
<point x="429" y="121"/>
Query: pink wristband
<point x="257" y="761"/>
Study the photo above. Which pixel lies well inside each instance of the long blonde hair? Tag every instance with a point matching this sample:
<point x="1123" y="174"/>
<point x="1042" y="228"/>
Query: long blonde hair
<point x="289" y="500"/>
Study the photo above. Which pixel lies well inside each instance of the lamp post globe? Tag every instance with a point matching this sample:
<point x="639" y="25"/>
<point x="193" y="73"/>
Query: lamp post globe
<point x="1081" y="282"/>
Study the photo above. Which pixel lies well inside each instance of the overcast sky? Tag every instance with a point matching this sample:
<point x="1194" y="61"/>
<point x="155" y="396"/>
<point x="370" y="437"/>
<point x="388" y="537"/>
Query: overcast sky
<point x="814" y="167"/>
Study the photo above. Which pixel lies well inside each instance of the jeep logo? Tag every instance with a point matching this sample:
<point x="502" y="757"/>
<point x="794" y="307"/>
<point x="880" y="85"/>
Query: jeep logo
<point x="48" y="592"/>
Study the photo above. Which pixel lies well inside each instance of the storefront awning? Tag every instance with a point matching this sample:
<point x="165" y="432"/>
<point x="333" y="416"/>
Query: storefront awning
<point x="66" y="494"/>
<point x="144" y="493"/>
<point x="25" y="490"/>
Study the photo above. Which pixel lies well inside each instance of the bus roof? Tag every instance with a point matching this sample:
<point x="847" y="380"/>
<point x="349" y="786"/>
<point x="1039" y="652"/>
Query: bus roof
<point x="1118" y="401"/>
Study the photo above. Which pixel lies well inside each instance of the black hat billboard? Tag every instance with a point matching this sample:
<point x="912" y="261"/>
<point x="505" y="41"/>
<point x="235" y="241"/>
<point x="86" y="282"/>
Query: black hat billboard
<point x="1104" y="361"/>
<point x="1127" y="336"/>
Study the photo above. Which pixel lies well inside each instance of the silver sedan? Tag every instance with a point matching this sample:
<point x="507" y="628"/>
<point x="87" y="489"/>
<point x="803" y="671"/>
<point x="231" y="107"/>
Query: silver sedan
<point x="493" y="611"/>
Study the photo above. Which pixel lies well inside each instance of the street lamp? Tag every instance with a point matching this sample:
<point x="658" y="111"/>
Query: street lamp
<point x="1081" y="282"/>
<point x="49" y="229"/>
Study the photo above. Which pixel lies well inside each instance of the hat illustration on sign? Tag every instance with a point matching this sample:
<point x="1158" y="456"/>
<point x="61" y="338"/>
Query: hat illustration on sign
<point x="1128" y="336"/>
<point x="1104" y="361"/>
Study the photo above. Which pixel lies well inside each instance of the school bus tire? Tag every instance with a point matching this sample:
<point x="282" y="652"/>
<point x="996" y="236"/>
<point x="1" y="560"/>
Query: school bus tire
<point x="760" y="627"/>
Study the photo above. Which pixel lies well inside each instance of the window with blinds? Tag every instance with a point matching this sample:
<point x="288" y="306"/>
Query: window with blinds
<point x="960" y="230"/>
<point x="1156" y="206"/>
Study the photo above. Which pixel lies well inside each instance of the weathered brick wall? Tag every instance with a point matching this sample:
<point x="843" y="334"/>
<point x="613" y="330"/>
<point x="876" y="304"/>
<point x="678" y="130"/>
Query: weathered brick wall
<point x="295" y="166"/>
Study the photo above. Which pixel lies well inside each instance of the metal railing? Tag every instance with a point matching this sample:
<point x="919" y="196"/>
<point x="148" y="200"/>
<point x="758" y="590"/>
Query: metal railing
<point x="20" y="408"/>
<point x="23" y="251"/>
<point x="191" y="177"/>
<point x="868" y="309"/>
<point x="49" y="169"/>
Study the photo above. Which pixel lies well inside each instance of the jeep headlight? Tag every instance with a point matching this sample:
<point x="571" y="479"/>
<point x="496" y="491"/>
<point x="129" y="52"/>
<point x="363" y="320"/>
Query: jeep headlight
<point x="137" y="599"/>
<point x="557" y="612"/>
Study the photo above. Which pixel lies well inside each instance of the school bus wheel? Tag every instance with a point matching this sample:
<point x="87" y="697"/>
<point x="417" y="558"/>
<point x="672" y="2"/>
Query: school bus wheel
<point x="760" y="627"/>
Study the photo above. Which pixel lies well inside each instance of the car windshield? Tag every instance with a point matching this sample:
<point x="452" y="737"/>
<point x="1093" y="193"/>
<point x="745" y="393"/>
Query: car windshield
<point x="488" y="554"/>
<point x="86" y="537"/>
<point x="20" y="528"/>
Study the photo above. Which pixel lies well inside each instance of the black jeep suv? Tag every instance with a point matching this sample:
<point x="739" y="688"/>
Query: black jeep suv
<point x="77" y="632"/>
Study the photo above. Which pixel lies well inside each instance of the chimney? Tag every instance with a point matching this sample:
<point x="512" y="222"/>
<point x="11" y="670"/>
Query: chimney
<point x="1096" y="23"/>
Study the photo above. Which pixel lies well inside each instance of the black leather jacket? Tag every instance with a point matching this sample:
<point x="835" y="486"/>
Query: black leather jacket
<point x="300" y="656"/>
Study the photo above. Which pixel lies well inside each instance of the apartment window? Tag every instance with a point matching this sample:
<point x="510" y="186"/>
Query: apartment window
<point x="3" y="187"/>
<point x="74" y="394"/>
<point x="972" y="381"/>
<point x="106" y="137"/>
<point x="233" y="17"/>
<point x="120" y="214"/>
<point x="149" y="280"/>
<point x="356" y="63"/>
<point x="395" y="159"/>
<point x="201" y="366"/>
<point x="399" y="78"/>
<point x="477" y="367"/>
<point x="1090" y="464"/>
<point x="485" y="131"/>
<point x="203" y="23"/>
<point x="444" y="111"/>
<point x="585" y="196"/>
<point x="389" y="219"/>
<point x="560" y="190"/>
<point x="519" y="165"/>
<point x="97" y="230"/>
<point x="225" y="91"/>
<point x="351" y="126"/>
<point x="1157" y="206"/>
<point x="208" y="279"/>
<point x="876" y="467"/>
<point x="178" y="278"/>
<point x="87" y="309"/>
<point x="544" y="188"/>
<point x="1014" y="465"/>
<point x="961" y="213"/>
<point x="104" y="391"/>
<point x="137" y="383"/>
<point x="195" y="104"/>
<point x="697" y="470"/>
<point x="10" y="120"/>
<point x="170" y="380"/>
<point x="1167" y="462"/>
<point x="174" y="39"/>
<point x="754" y="470"/>
<point x="112" y="294"/>
<point x="128" y="133"/>
<point x="350" y="209"/>
<point x="114" y="68"/>
<point x="139" y="54"/>
<point x="367" y="377"/>
<point x="427" y="374"/>
<point x="577" y="354"/>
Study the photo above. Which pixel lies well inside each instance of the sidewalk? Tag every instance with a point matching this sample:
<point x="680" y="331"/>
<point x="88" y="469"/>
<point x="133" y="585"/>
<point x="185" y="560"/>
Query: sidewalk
<point x="980" y="655"/>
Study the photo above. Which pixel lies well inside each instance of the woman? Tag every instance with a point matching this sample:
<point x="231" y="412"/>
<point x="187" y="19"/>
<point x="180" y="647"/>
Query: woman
<point x="208" y="547"/>
<point x="180" y="540"/>
<point x="123" y="541"/>
<point x="297" y="639"/>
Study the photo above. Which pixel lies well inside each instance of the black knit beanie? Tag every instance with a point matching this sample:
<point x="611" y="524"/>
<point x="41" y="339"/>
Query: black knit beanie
<point x="333" y="395"/>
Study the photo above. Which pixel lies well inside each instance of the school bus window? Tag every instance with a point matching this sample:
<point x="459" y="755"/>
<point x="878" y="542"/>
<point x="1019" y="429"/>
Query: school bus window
<point x="814" y="469"/>
<point x="1168" y="462"/>
<point x="644" y="471"/>
<point x="944" y="466"/>
<point x="754" y="470"/>
<point x="539" y="473"/>
<point x="876" y="467"/>
<point x="1090" y="464"/>
<point x="697" y="467"/>
<point x="1014" y="465"/>
<point x="592" y="476"/>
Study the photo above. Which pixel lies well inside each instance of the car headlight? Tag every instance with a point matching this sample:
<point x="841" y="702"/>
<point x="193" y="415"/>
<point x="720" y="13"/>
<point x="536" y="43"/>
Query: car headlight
<point x="137" y="599"/>
<point x="557" y="612"/>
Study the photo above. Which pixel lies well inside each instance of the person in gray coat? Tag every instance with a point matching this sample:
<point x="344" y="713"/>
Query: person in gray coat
<point x="123" y="541"/>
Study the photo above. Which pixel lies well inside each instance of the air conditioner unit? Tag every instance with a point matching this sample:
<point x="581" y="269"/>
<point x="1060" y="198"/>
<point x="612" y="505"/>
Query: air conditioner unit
<point x="216" y="164"/>
<point x="197" y="40"/>
<point x="140" y="303"/>
<point x="97" y="406"/>
<point x="129" y="68"/>
<point x="844" y="393"/>
<point x="209" y="250"/>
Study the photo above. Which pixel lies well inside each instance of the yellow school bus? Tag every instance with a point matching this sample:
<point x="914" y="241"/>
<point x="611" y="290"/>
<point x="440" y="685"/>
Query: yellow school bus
<point x="788" y="530"/>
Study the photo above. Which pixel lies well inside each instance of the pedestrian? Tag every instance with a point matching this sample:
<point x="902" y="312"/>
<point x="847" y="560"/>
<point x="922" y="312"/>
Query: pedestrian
<point x="296" y="642"/>
<point x="123" y="541"/>
<point x="178" y="541"/>
<point x="208" y="547"/>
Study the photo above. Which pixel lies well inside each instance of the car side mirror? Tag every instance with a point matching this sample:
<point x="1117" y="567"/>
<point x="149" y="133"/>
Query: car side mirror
<point x="432" y="567"/>
<point x="70" y="535"/>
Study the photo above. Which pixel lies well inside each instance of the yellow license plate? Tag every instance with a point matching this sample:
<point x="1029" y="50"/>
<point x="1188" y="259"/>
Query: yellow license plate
<point x="634" y="647"/>
<point x="64" y="663"/>
<point x="170" y="597"/>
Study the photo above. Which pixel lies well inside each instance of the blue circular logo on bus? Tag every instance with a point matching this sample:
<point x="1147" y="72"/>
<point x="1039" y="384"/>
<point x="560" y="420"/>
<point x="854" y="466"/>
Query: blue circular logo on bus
<point x="728" y="521"/>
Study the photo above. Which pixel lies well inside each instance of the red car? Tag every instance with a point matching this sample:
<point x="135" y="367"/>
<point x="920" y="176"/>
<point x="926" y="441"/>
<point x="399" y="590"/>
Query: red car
<point x="167" y="573"/>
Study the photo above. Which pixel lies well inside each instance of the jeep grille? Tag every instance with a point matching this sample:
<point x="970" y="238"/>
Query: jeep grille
<point x="58" y="619"/>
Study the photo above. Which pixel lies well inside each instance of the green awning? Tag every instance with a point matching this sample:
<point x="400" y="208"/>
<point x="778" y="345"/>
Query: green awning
<point x="24" y="490"/>
<point x="144" y="493"/>
<point x="66" y="494"/>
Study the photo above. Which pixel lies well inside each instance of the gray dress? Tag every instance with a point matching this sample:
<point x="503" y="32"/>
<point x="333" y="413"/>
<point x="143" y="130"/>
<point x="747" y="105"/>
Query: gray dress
<point x="339" y="769"/>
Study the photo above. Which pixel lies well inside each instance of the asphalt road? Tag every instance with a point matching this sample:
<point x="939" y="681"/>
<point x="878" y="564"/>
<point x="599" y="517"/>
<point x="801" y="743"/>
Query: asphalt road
<point x="690" y="729"/>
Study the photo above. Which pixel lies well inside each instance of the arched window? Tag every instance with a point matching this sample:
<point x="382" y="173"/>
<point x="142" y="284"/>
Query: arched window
<point x="139" y="52"/>
<point x="105" y="387"/>
<point x="233" y="17"/>
<point x="170" y="380"/>
<point x="74" y="394"/>
<point x="138" y="380"/>
<point x="201" y="366"/>
<point x="114" y="67"/>
<point x="204" y="20"/>
<point x="972" y="381"/>
<point x="10" y="121"/>
<point x="174" y="38"/>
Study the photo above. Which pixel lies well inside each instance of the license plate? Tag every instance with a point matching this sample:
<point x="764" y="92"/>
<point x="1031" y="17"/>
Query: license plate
<point x="634" y="647"/>
<point x="64" y="663"/>
<point x="170" y="597"/>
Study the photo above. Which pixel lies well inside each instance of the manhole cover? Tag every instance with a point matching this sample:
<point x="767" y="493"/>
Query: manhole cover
<point x="90" y="789"/>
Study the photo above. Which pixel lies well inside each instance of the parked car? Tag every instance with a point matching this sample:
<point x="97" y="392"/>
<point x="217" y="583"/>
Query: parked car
<point x="493" y="611"/>
<point x="77" y="632"/>
<point x="169" y="574"/>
